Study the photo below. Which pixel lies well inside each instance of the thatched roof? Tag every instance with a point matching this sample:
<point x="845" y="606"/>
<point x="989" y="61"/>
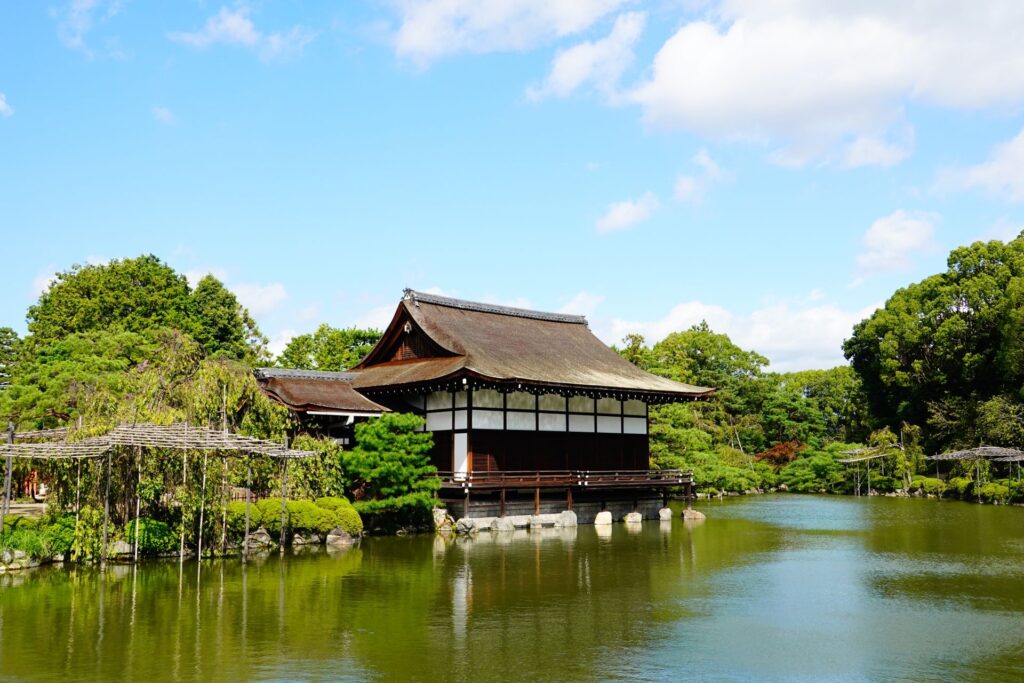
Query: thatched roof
<point x="434" y="338"/>
<point x="981" y="453"/>
<point x="312" y="391"/>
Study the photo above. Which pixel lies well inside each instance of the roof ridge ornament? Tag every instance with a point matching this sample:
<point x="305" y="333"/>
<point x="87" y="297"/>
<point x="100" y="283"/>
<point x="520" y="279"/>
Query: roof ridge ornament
<point x="463" y="304"/>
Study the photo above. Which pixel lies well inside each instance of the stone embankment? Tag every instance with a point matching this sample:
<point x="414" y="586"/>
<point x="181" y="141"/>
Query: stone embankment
<point x="444" y="523"/>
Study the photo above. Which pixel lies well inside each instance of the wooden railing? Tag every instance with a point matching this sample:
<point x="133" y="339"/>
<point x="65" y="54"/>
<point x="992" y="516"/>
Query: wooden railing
<point x="512" y="479"/>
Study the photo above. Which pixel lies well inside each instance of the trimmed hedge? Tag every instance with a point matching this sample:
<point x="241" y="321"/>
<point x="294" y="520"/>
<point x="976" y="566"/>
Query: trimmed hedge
<point x="303" y="516"/>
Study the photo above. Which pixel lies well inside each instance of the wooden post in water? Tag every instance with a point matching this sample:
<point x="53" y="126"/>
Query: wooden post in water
<point x="7" y="474"/>
<point x="138" y="501"/>
<point x="568" y="498"/>
<point x="225" y="499"/>
<point x="202" y="508"/>
<point x="106" y="514"/>
<point x="248" y="500"/>
<point x="502" y="511"/>
<point x="536" y="501"/>
<point x="284" y="495"/>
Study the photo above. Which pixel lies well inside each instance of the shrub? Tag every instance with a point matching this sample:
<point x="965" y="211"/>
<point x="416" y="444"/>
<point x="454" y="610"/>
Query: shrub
<point x="390" y="514"/>
<point x="27" y="539"/>
<point x="88" y="544"/>
<point x="154" y="536"/>
<point x="18" y="522"/>
<point x="928" y="485"/>
<point x="961" y="486"/>
<point x="60" y="534"/>
<point x="346" y="515"/>
<point x="1016" y="491"/>
<point x="995" y="492"/>
<point x="236" y="517"/>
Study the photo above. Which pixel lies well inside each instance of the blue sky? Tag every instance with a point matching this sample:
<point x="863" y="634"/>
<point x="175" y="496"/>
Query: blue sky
<point x="777" y="167"/>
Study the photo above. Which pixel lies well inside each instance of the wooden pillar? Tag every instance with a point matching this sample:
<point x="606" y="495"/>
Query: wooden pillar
<point x="689" y="493"/>
<point x="248" y="499"/>
<point x="284" y="497"/>
<point x="225" y="498"/>
<point x="106" y="514"/>
<point x="502" y="512"/>
<point x="465" y="503"/>
<point x="7" y="474"/>
<point x="202" y="508"/>
<point x="184" y="483"/>
<point x="568" y="498"/>
<point x="536" y="501"/>
<point x="138" y="501"/>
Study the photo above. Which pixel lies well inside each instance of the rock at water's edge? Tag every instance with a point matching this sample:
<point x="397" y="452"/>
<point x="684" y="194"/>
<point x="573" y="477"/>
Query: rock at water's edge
<point x="665" y="514"/>
<point x="693" y="514"/>
<point x="603" y="518"/>
<point x="633" y="518"/>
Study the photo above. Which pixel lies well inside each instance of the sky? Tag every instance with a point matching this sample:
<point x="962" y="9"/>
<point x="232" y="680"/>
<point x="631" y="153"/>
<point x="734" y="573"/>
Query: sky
<point x="775" y="167"/>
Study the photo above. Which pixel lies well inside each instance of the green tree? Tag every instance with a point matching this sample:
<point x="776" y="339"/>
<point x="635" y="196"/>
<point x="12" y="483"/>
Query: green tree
<point x="838" y="396"/>
<point x="942" y="345"/>
<point x="391" y="459"/>
<point x="141" y="295"/>
<point x="129" y="295"/>
<point x="329" y="348"/>
<point x="222" y="325"/>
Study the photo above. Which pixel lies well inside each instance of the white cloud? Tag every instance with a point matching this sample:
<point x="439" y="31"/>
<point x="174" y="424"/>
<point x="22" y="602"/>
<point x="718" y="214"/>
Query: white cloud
<point x="827" y="80"/>
<point x="791" y="336"/>
<point x="164" y="116"/>
<point x="599" y="63"/>
<point x="43" y="279"/>
<point x="583" y="303"/>
<point x="279" y="341"/>
<point x="76" y="19"/>
<point x="431" y="29"/>
<point x="692" y="188"/>
<point x="5" y="108"/>
<point x="626" y="214"/>
<point x="377" y="317"/>
<point x="892" y="241"/>
<point x="234" y="27"/>
<point x="1001" y="176"/>
<point x="260" y="299"/>
<point x="867" y="150"/>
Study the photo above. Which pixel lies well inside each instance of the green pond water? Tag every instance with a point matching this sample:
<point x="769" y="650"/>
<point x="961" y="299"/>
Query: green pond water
<point x="771" y="587"/>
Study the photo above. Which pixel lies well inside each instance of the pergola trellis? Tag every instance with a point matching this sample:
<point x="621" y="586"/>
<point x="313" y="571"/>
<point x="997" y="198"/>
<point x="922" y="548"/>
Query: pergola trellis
<point x="979" y="453"/>
<point x="866" y="455"/>
<point x="52" y="444"/>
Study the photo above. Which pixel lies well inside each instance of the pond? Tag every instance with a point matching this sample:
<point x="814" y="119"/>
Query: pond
<point x="769" y="587"/>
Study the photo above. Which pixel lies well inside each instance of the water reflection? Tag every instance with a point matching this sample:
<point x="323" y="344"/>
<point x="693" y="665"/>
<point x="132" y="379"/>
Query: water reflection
<point x="767" y="587"/>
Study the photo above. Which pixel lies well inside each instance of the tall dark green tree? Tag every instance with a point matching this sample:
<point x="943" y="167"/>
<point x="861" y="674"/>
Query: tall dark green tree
<point x="222" y="325"/>
<point x="943" y="345"/>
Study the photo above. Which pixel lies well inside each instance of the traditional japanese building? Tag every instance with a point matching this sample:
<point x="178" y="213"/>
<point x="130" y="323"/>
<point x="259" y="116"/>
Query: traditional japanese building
<point x="520" y="403"/>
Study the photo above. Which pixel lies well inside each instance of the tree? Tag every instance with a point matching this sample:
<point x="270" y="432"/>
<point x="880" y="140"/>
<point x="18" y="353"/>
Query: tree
<point x="391" y="459"/>
<point x="8" y="355"/>
<point x="953" y="337"/>
<point x="222" y="325"/>
<point x="839" y="397"/>
<point x="141" y="295"/>
<point x="329" y="348"/>
<point x="129" y="295"/>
